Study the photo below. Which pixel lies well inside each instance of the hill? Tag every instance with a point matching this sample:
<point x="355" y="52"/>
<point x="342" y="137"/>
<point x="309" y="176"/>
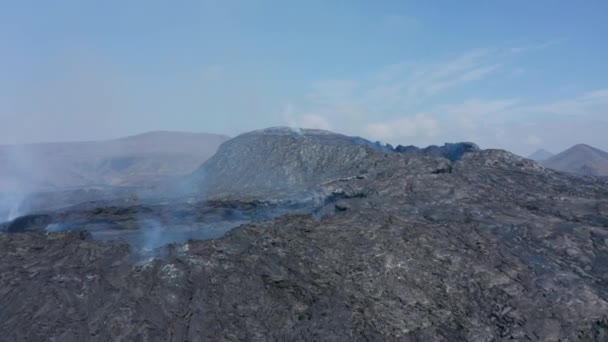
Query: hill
<point x="135" y="160"/>
<point x="281" y="158"/>
<point x="581" y="159"/>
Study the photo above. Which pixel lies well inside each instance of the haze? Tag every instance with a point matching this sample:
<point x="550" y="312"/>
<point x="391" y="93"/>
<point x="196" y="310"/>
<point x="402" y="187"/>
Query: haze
<point x="518" y="75"/>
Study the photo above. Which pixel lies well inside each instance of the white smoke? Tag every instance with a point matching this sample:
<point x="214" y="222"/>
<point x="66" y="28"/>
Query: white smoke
<point x="55" y="227"/>
<point x="14" y="212"/>
<point x="290" y="119"/>
<point x="16" y="207"/>
<point x="11" y="205"/>
<point x="153" y="234"/>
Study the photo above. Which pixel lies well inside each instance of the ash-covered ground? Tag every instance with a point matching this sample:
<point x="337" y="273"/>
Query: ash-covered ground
<point x="318" y="236"/>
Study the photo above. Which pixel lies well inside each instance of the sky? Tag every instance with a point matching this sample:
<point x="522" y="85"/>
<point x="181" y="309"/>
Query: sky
<point x="518" y="75"/>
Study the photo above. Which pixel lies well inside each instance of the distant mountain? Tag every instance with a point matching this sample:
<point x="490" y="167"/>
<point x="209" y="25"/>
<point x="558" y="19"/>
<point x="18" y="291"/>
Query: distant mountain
<point x="581" y="159"/>
<point x="541" y="155"/>
<point x="135" y="160"/>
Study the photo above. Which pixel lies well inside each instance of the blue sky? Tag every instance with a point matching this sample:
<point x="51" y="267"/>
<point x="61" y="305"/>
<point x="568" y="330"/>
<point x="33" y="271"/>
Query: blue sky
<point x="509" y="74"/>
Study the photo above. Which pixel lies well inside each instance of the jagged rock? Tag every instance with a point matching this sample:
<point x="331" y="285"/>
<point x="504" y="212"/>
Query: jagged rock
<point x="451" y="151"/>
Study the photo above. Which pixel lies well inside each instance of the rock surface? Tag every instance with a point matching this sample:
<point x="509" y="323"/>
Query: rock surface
<point x="281" y="159"/>
<point x="449" y="151"/>
<point x="385" y="246"/>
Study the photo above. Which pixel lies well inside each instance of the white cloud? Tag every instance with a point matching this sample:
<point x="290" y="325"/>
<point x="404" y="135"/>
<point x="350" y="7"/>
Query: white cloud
<point x="312" y="120"/>
<point x="462" y="78"/>
<point x="401" y="86"/>
<point x="517" y="72"/>
<point x="470" y="114"/>
<point x="601" y="94"/>
<point x="589" y="103"/>
<point x="305" y="120"/>
<point x="386" y="94"/>
<point x="333" y="91"/>
<point x="419" y="125"/>
<point x="537" y="46"/>
<point x="391" y="93"/>
<point x="522" y="128"/>
<point x="468" y="67"/>
<point x="533" y="140"/>
<point x="409" y="83"/>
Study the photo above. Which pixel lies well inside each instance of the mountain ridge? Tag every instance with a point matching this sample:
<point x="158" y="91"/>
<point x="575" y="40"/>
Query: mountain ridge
<point x="581" y="159"/>
<point x="132" y="160"/>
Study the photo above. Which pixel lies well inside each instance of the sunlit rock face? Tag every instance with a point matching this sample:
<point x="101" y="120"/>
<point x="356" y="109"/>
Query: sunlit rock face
<point x="335" y="239"/>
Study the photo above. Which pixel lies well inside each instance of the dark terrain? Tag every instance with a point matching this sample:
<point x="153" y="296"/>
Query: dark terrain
<point x="338" y="239"/>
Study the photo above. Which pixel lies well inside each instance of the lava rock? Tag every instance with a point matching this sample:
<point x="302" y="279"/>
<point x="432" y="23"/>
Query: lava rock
<point x="451" y="151"/>
<point x="498" y="248"/>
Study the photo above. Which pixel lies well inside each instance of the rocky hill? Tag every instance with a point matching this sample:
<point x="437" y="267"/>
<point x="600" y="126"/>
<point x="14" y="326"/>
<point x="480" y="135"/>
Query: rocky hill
<point x="580" y="159"/>
<point x="281" y="158"/>
<point x="318" y="236"/>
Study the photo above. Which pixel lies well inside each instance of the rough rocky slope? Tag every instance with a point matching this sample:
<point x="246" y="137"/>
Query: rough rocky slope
<point x="281" y="159"/>
<point x="491" y="247"/>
